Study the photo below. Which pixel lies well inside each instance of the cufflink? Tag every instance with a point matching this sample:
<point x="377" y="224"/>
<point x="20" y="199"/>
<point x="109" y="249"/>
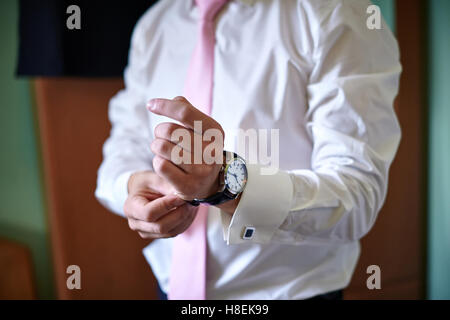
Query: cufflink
<point x="248" y="233"/>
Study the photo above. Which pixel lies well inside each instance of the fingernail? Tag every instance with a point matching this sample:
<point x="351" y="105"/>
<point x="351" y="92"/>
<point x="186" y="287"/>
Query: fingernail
<point x="151" y="104"/>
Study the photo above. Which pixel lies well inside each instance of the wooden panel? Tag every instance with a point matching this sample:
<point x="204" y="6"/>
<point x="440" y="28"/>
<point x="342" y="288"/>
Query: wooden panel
<point x="16" y="272"/>
<point x="397" y="241"/>
<point x="405" y="289"/>
<point x="73" y="126"/>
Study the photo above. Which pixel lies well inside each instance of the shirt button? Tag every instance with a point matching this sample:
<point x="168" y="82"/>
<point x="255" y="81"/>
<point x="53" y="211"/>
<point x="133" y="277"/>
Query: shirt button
<point x="248" y="233"/>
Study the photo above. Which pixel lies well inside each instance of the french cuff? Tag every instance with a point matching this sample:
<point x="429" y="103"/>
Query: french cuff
<point x="120" y="191"/>
<point x="264" y="205"/>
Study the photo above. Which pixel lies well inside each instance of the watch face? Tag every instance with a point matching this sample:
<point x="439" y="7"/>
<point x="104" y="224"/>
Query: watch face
<point x="236" y="175"/>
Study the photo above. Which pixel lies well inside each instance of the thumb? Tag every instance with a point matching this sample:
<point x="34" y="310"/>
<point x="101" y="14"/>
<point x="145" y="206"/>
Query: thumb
<point x="161" y="185"/>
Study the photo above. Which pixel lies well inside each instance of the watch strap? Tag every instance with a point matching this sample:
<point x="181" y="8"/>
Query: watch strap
<point x="214" y="200"/>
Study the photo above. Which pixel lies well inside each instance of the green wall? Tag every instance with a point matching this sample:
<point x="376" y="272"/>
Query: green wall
<point x="438" y="66"/>
<point x="388" y="10"/>
<point x="22" y="215"/>
<point x="439" y="144"/>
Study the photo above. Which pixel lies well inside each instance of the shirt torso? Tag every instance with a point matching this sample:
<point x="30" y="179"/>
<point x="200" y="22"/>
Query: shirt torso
<point x="262" y="66"/>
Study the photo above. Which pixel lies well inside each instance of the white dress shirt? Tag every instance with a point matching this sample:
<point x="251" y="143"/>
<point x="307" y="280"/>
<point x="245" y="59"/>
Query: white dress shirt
<point x="311" y="69"/>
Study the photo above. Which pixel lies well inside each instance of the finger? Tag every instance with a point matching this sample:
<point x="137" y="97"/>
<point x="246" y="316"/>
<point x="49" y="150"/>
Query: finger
<point x="171" y="173"/>
<point x="184" y="137"/>
<point x="174" y="153"/>
<point x="186" y="223"/>
<point x="181" y="110"/>
<point x="145" y="229"/>
<point x="149" y="185"/>
<point x="160" y="185"/>
<point x="177" y="134"/>
<point x="163" y="226"/>
<point x="180" y="228"/>
<point x="147" y="195"/>
<point x="154" y="210"/>
<point x="135" y="203"/>
<point x="153" y="236"/>
<point x="173" y="220"/>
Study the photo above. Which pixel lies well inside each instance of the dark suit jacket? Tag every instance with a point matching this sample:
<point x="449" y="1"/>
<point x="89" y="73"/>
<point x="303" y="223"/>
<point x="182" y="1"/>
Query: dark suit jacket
<point x="100" y="49"/>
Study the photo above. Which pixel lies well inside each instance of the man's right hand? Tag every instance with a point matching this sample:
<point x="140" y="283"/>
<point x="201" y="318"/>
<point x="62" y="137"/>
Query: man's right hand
<point x="152" y="208"/>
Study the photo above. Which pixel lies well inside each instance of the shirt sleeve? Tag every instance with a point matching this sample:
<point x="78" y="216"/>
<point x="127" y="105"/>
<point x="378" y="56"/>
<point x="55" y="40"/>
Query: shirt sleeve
<point x="355" y="135"/>
<point x="127" y="149"/>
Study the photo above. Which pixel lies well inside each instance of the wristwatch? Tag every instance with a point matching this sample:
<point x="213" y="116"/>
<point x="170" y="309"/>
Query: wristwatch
<point x="232" y="180"/>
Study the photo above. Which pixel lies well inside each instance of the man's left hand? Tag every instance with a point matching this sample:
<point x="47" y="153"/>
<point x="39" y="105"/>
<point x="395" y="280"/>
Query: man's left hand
<point x="195" y="176"/>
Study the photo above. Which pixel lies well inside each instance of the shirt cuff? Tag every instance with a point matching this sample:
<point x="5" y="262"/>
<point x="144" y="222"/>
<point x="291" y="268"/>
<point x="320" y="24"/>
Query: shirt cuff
<point x="263" y="207"/>
<point x="121" y="190"/>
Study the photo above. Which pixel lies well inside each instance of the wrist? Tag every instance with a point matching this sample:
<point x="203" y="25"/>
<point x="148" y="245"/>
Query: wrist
<point x="230" y="206"/>
<point x="216" y="186"/>
<point x="228" y="184"/>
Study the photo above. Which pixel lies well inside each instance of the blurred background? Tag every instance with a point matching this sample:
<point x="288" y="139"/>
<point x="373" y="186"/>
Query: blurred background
<point x="55" y="85"/>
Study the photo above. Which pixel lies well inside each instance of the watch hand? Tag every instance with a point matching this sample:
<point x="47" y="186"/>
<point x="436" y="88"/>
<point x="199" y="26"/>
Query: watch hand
<point x="235" y="177"/>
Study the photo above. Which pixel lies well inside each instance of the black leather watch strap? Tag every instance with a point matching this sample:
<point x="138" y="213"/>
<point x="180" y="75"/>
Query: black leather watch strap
<point x="214" y="200"/>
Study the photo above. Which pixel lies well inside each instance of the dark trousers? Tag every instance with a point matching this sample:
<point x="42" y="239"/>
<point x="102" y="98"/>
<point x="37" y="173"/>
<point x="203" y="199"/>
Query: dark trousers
<point x="334" y="295"/>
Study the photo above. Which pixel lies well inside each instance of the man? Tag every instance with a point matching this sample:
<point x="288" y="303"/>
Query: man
<point x="313" y="71"/>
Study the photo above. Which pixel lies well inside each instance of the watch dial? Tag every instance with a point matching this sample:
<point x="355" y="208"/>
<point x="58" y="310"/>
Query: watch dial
<point x="236" y="176"/>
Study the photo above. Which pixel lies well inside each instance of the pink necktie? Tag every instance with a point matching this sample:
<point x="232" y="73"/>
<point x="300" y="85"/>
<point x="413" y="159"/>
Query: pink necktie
<point x="188" y="272"/>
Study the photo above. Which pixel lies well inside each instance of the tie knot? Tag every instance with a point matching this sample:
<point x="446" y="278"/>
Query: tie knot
<point x="209" y="8"/>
